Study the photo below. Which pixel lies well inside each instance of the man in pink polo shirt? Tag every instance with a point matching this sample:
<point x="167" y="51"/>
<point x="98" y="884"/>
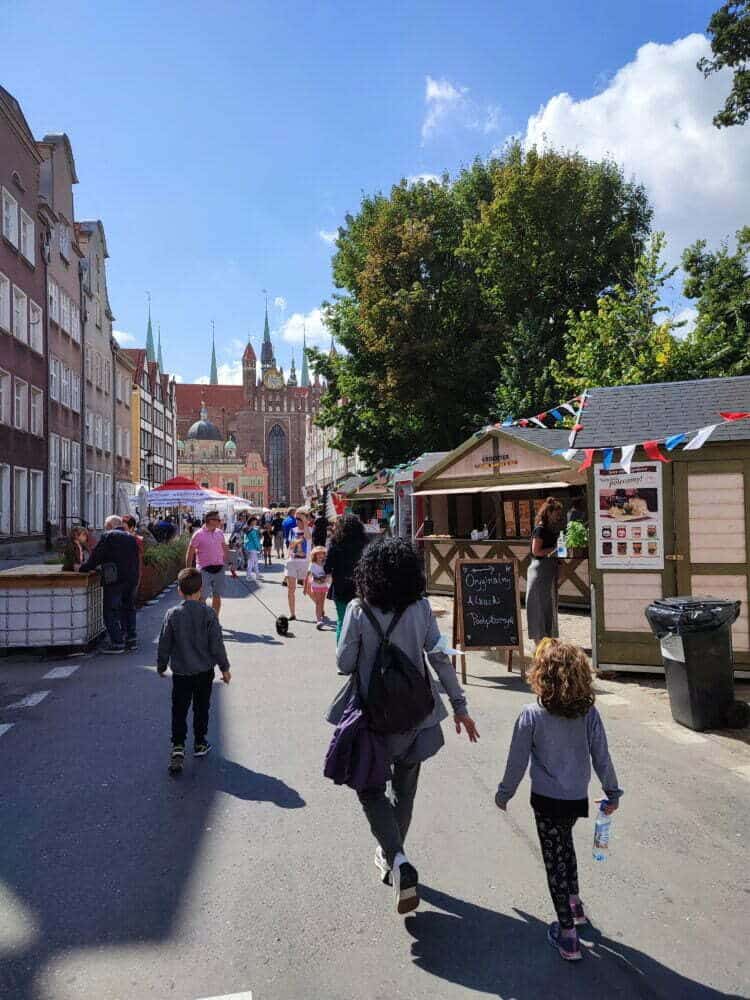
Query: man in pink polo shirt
<point x="209" y="549"/>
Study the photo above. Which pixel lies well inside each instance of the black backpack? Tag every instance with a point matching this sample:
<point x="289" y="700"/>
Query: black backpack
<point x="399" y="695"/>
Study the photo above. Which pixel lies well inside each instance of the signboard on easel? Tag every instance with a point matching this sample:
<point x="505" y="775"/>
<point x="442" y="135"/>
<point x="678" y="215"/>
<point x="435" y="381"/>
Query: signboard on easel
<point x="487" y="608"/>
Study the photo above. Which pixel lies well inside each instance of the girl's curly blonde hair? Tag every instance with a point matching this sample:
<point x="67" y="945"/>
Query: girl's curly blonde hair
<point x="562" y="679"/>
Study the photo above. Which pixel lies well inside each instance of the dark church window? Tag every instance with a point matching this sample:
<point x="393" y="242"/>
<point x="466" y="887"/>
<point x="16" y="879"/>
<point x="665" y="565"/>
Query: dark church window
<point x="277" y="462"/>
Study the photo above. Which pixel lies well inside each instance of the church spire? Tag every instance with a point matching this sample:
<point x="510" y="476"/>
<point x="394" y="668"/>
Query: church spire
<point x="333" y="353"/>
<point x="159" y="359"/>
<point x="267" y="359"/>
<point x="292" y="380"/>
<point x="305" y="377"/>
<point x="214" y="379"/>
<point x="150" y="353"/>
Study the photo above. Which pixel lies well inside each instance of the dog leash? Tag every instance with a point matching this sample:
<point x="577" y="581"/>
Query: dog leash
<point x="262" y="603"/>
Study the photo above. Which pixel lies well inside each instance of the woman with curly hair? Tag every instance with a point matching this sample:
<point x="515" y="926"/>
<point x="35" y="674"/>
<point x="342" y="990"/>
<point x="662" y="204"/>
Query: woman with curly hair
<point x="391" y="583"/>
<point x="347" y="545"/>
<point x="541" y="577"/>
<point x="563" y="733"/>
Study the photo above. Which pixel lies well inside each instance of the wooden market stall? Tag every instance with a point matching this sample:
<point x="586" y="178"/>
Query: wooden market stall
<point x="664" y="528"/>
<point x="495" y="483"/>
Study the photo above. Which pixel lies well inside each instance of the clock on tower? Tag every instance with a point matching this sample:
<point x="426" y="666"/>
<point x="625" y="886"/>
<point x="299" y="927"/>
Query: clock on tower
<point x="272" y="379"/>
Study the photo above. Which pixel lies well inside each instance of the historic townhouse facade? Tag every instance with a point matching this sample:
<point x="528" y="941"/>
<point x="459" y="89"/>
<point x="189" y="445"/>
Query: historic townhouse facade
<point x="157" y="443"/>
<point x="23" y="367"/>
<point x="324" y="465"/>
<point x="64" y="336"/>
<point x="124" y="385"/>
<point x="99" y="389"/>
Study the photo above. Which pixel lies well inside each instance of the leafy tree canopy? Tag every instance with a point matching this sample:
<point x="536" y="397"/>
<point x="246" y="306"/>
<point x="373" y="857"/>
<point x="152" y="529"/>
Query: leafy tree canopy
<point x="729" y="29"/>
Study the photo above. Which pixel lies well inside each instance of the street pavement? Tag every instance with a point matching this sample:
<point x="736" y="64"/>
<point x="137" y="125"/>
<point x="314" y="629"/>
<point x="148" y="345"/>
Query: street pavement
<point x="251" y="872"/>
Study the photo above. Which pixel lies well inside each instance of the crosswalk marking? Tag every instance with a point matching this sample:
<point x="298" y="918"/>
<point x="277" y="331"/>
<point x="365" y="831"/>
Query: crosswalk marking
<point x="30" y="700"/>
<point x="247" y="995"/>
<point x="5" y="726"/>
<point x="59" y="672"/>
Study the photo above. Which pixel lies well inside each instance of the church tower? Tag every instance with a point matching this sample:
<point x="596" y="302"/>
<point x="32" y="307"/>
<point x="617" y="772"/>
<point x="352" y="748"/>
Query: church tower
<point x="249" y="371"/>
<point x="267" y="360"/>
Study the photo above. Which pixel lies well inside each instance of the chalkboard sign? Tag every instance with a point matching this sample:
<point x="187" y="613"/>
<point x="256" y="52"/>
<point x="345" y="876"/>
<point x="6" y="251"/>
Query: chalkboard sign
<point x="487" y="607"/>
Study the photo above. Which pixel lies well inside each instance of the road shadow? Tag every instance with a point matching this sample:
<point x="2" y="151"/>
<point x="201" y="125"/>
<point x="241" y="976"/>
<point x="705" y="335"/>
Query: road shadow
<point x="508" y="956"/>
<point x="99" y="843"/>
<point x="249" y="638"/>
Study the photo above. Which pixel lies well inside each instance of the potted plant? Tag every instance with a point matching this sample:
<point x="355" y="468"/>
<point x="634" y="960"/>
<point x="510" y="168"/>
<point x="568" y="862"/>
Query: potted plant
<point x="577" y="540"/>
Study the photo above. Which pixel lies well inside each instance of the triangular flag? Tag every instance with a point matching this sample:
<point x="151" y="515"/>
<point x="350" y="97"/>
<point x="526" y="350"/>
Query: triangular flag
<point x="671" y="443"/>
<point x="569" y="408"/>
<point x="569" y="454"/>
<point x="556" y="414"/>
<point x="508" y="422"/>
<point x="523" y="423"/>
<point x="652" y="450"/>
<point x="734" y="416"/>
<point x="588" y="458"/>
<point x="607" y="457"/>
<point x="626" y="457"/>
<point x="538" y="422"/>
<point x="700" y="438"/>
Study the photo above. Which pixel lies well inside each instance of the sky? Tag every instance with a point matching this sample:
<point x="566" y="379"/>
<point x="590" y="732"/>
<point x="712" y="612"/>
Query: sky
<point x="222" y="144"/>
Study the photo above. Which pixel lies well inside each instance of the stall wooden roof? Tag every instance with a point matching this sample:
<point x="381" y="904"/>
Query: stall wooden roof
<point x="631" y="414"/>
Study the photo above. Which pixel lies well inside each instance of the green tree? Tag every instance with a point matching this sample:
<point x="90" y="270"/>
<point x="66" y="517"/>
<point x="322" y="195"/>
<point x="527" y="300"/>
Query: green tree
<point x="729" y="29"/>
<point x="719" y="283"/>
<point x="623" y="341"/>
<point x="558" y="231"/>
<point x="419" y="366"/>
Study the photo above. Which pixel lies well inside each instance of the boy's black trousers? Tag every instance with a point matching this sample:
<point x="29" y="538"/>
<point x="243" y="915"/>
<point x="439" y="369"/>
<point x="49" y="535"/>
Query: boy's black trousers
<point x="187" y="688"/>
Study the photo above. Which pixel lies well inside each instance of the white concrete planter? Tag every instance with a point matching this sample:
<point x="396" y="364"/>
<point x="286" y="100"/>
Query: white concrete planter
<point x="42" y="606"/>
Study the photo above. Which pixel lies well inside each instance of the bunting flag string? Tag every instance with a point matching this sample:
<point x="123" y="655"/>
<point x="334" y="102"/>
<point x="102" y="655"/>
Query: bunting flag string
<point x="571" y="406"/>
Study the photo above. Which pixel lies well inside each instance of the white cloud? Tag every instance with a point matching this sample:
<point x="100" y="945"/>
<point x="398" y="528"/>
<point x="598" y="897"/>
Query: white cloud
<point x="229" y="374"/>
<point x="122" y="338"/>
<point x="688" y="316"/>
<point x="310" y="323"/>
<point x="328" y="236"/>
<point x="654" y="118"/>
<point x="178" y="378"/>
<point x="449" y="104"/>
<point x="416" y="178"/>
<point x="280" y="302"/>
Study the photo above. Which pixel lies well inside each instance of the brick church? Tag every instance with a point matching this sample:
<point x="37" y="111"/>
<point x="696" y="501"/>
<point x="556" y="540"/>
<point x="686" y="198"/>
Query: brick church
<point x="265" y="415"/>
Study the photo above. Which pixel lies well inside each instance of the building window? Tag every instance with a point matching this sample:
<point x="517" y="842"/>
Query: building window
<point x="36" y="501"/>
<point x="54" y="477"/>
<point x="36" y="330"/>
<point x="90" y="513"/>
<point x="126" y="444"/>
<point x="89" y="427"/>
<point x="4" y="303"/>
<point x="108" y="491"/>
<point x="75" y="322"/>
<point x="4" y="397"/>
<point x="4" y="499"/>
<point x="107" y="377"/>
<point x="10" y="217"/>
<point x="277" y="463"/>
<point x="75" y="478"/>
<point x="20" y="316"/>
<point x="27" y="238"/>
<point x="64" y="456"/>
<point x="87" y="366"/>
<point x="64" y="311"/>
<point x="37" y="412"/>
<point x="107" y="435"/>
<point x="75" y="392"/>
<point x="118" y="387"/>
<point x="98" y="370"/>
<point x="20" y="501"/>
<point x="98" y="430"/>
<point x="54" y="301"/>
<point x="99" y="516"/>
<point x="54" y="379"/>
<point x="65" y="374"/>
<point x="20" y="405"/>
<point x="63" y="239"/>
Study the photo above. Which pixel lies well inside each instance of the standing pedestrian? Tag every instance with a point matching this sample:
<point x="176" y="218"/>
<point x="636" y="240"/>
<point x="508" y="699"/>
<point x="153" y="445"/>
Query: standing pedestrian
<point x="130" y="524"/>
<point x="191" y="644"/>
<point x="267" y="539"/>
<point x="252" y="546"/>
<point x="288" y="525"/>
<point x="117" y="554"/>
<point x="347" y="545"/>
<point x="208" y="548"/>
<point x="563" y="733"/>
<point x="541" y="576"/>
<point x="391" y="584"/>
<point x="319" y="582"/>
<point x="278" y="534"/>
<point x="320" y="531"/>
<point x="75" y="552"/>
<point x="296" y="565"/>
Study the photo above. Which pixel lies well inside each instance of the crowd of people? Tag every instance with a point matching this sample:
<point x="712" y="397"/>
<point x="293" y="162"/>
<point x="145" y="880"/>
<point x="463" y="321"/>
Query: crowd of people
<point x="389" y="648"/>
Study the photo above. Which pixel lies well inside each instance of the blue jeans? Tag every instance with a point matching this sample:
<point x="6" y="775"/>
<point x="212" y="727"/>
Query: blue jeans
<point x="119" y="612"/>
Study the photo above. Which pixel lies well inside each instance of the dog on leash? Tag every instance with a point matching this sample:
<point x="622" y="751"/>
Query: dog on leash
<point x="282" y="625"/>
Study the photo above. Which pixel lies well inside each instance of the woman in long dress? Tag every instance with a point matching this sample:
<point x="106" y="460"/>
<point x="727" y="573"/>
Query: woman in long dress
<point x="541" y="578"/>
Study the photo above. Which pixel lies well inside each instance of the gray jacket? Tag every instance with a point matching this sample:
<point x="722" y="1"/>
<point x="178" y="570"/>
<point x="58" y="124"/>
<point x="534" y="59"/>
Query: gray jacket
<point x="191" y="641"/>
<point x="416" y="633"/>
<point x="561" y="752"/>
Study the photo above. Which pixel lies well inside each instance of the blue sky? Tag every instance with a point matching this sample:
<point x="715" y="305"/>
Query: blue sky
<point x="217" y="142"/>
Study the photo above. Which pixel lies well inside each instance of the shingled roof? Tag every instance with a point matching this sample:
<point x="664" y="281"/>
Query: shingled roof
<point x="630" y="414"/>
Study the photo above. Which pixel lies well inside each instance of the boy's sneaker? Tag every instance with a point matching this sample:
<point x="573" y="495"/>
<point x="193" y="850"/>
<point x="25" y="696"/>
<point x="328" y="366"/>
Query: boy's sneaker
<point x="568" y="946"/>
<point x="383" y="867"/>
<point x="201" y="749"/>
<point x="130" y="645"/>
<point x="579" y="917"/>
<point x="112" y="648"/>
<point x="176" y="759"/>
<point x="405" y="883"/>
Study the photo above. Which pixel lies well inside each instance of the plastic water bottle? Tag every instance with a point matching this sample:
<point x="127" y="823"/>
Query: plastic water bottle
<point x="602" y="828"/>
<point x="562" y="548"/>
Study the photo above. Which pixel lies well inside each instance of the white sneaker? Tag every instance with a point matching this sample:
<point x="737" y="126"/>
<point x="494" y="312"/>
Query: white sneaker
<point x="405" y="885"/>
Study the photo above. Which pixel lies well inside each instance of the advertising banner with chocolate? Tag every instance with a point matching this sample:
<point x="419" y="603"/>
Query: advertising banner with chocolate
<point x="629" y="515"/>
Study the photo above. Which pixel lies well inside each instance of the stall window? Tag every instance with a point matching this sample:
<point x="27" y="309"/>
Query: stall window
<point x="511" y="521"/>
<point x="524" y="519"/>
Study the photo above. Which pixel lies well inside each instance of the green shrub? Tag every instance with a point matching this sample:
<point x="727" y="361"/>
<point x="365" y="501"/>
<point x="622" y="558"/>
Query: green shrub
<point x="166" y="555"/>
<point x="576" y="537"/>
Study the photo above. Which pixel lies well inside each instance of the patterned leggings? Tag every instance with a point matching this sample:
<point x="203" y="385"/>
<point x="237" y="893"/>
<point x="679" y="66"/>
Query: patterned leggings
<point x="556" y="838"/>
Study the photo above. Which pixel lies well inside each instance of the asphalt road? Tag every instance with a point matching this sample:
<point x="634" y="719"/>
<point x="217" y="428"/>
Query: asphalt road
<point x="252" y="873"/>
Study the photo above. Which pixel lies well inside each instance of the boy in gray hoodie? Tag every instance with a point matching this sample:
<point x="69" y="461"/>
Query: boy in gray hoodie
<point x="191" y="644"/>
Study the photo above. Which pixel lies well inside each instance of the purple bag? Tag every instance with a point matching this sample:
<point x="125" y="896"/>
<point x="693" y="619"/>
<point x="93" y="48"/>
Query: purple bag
<point x="356" y="755"/>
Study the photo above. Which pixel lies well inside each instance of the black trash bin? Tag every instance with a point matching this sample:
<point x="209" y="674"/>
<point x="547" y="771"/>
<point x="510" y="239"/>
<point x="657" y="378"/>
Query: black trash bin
<point x="696" y="647"/>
